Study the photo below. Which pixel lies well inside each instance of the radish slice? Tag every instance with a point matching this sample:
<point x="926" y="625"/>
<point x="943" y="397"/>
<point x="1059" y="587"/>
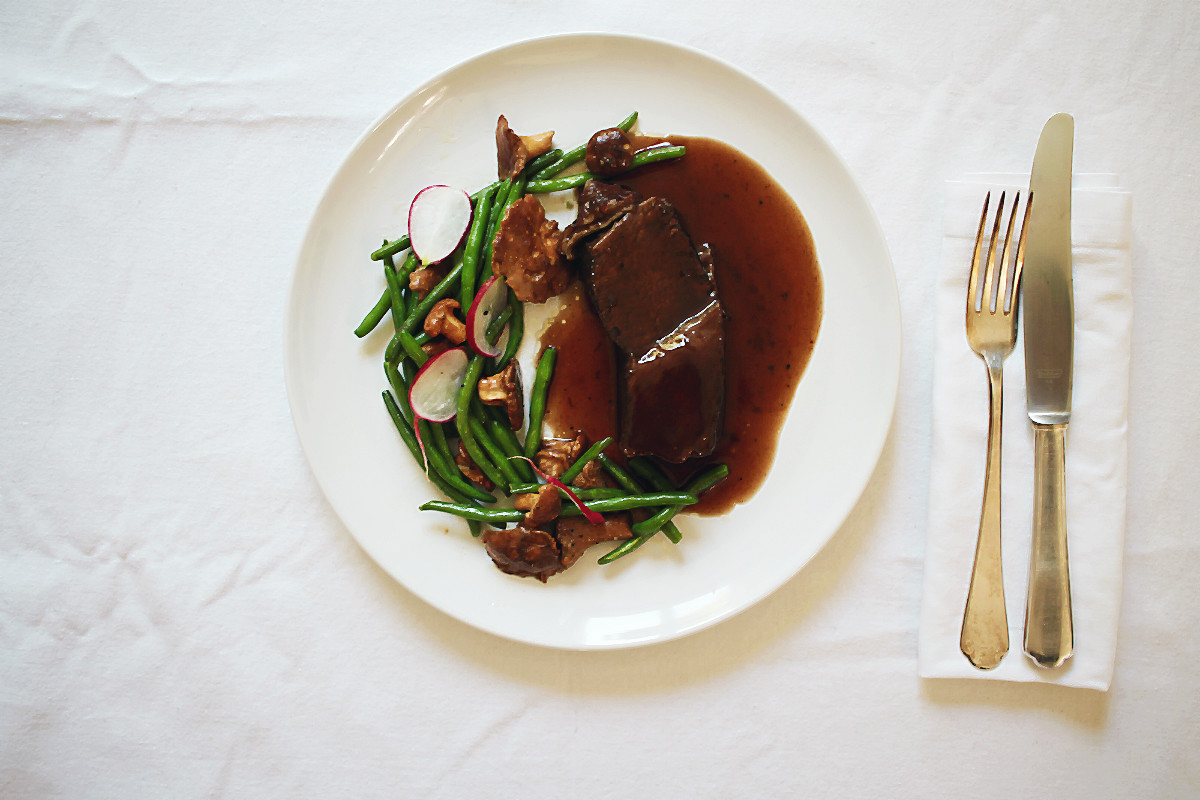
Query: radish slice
<point x="593" y="517"/>
<point x="488" y="302"/>
<point x="438" y="220"/>
<point x="433" y="393"/>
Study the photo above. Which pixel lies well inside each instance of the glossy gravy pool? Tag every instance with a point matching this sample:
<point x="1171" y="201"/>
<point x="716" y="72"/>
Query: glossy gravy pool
<point x="770" y="287"/>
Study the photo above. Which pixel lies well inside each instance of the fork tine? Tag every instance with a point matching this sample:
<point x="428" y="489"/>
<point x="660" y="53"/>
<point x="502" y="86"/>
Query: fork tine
<point x="989" y="281"/>
<point x="1006" y="268"/>
<point x="973" y="281"/>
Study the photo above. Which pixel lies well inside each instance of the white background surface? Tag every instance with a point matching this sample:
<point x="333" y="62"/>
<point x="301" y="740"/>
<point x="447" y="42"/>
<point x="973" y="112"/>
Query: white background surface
<point x="181" y="613"/>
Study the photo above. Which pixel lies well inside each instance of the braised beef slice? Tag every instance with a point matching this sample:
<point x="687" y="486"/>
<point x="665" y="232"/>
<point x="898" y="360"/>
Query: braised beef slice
<point x="654" y="293"/>
<point x="600" y="205"/>
<point x="576" y="534"/>
<point x="526" y="552"/>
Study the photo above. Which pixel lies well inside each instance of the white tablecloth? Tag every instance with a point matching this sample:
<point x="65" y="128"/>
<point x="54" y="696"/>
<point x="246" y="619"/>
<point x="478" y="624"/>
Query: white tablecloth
<point x="181" y="613"/>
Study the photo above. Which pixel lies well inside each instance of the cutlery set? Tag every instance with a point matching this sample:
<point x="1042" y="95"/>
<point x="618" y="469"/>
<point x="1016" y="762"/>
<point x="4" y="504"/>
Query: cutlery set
<point x="1036" y="278"/>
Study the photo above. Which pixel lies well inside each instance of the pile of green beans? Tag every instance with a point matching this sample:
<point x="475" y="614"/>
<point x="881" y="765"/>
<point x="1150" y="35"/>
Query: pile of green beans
<point x="483" y="432"/>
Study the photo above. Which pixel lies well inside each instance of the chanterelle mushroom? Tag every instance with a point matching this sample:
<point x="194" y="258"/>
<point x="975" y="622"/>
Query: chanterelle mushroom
<point x="513" y="151"/>
<point x="557" y="454"/>
<point x="539" y="508"/>
<point x="442" y="320"/>
<point x="526" y="252"/>
<point x="422" y="280"/>
<point x="504" y="389"/>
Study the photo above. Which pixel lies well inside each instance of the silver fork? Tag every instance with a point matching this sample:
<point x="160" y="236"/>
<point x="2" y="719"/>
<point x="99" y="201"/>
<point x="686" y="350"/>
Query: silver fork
<point x="992" y="333"/>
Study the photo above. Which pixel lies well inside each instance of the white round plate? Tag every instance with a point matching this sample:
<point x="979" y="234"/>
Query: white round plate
<point x="444" y="133"/>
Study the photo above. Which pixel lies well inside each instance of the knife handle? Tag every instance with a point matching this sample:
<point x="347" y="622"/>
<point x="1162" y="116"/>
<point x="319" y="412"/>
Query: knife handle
<point x="1049" y="633"/>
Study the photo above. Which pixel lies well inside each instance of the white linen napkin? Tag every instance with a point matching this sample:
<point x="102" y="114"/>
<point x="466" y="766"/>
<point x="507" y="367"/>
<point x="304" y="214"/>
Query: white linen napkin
<point x="1096" y="443"/>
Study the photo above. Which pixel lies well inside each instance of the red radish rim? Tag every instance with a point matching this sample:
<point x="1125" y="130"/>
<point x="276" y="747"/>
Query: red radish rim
<point x="594" y="517"/>
<point x="491" y="297"/>
<point x="434" y="369"/>
<point x="436" y="237"/>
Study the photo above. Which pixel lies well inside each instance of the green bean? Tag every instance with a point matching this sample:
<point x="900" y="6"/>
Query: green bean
<point x="650" y="472"/>
<point x="495" y="327"/>
<point x="572" y="472"/>
<point x="416" y="317"/>
<point x="396" y="296"/>
<point x="412" y="348"/>
<point x="624" y="549"/>
<point x="598" y="493"/>
<point x="399" y="388"/>
<point x="498" y="457"/>
<point x="441" y="458"/>
<point x="489" y="515"/>
<point x="697" y="485"/>
<point x="537" y="401"/>
<point x="384" y="303"/>
<point x="576" y="154"/>
<point x="627" y="481"/>
<point x="600" y="506"/>
<point x="507" y="440"/>
<point x="498" y="208"/>
<point x="403" y="427"/>
<point x="643" y="531"/>
<point x="632" y="501"/>
<point x="640" y="159"/>
<point x="538" y="163"/>
<point x="516" y="331"/>
<point x="451" y="490"/>
<point x="623" y="478"/>
<point x="470" y="274"/>
<point x="397" y="344"/>
<point x="462" y="421"/>
<point x="391" y="248"/>
<point x="371" y="321"/>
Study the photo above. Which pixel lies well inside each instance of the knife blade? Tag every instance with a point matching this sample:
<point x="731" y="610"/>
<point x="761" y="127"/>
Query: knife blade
<point x="1047" y="307"/>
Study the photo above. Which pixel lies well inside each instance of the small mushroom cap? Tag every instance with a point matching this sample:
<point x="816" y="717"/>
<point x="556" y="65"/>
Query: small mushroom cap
<point x="504" y="389"/>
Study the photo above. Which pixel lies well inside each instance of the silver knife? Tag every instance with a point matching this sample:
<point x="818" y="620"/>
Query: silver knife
<point x="1049" y="319"/>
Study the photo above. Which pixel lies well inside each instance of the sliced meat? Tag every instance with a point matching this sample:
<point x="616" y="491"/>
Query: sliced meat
<point x="525" y="552"/>
<point x="671" y="405"/>
<point x="576" y="534"/>
<point x="655" y="295"/>
<point x="526" y="252"/>
<point x="600" y="205"/>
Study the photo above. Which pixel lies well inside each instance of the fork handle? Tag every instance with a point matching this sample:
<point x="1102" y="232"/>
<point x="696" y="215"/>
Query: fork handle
<point x="1049" y="634"/>
<point x="984" y="637"/>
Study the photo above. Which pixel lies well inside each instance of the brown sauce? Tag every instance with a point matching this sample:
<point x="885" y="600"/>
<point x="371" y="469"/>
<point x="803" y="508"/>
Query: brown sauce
<point x="770" y="287"/>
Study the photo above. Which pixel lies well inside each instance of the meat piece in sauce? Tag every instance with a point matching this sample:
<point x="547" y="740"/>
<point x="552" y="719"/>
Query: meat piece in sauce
<point x="600" y="205"/>
<point x="524" y="551"/>
<point x="655" y="295"/>
<point x="526" y="252"/>
<point x="576" y="534"/>
<point x="608" y="152"/>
